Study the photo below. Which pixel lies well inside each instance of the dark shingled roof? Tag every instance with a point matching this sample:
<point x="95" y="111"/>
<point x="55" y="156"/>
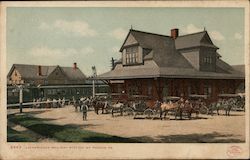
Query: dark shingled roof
<point x="240" y="68"/>
<point x="73" y="74"/>
<point x="164" y="51"/>
<point x="31" y="71"/>
<point x="192" y="40"/>
<point x="168" y="72"/>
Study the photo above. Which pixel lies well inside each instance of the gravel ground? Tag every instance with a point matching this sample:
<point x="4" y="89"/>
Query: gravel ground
<point x="222" y="129"/>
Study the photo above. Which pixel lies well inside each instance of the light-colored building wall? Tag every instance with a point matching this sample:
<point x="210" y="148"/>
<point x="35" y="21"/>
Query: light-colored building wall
<point x="15" y="78"/>
<point x="130" y="40"/>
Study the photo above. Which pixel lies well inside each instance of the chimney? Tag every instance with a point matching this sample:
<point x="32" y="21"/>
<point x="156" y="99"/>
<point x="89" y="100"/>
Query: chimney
<point x="174" y="33"/>
<point x="75" y="66"/>
<point x="39" y="70"/>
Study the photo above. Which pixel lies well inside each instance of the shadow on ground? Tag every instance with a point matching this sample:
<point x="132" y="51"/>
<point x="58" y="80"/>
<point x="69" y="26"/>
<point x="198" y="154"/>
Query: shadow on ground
<point x="60" y="133"/>
<point x="213" y="137"/>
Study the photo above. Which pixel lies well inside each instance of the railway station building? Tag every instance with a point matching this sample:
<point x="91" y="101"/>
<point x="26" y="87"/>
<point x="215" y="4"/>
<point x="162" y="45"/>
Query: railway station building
<point x="158" y="66"/>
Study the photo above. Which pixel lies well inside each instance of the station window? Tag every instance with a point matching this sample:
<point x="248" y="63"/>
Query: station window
<point x="207" y="89"/>
<point x="208" y="60"/>
<point x="150" y="87"/>
<point x="132" y="55"/>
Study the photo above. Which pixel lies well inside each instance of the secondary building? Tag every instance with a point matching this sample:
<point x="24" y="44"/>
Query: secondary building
<point x="49" y="82"/>
<point x="158" y="66"/>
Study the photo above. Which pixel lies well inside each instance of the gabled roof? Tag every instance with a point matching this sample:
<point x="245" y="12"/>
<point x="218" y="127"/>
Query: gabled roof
<point x="192" y="40"/>
<point x="163" y="49"/>
<point x="169" y="62"/>
<point x="73" y="74"/>
<point x="31" y="71"/>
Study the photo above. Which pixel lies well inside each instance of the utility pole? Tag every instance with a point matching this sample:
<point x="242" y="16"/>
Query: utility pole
<point x="94" y="75"/>
<point x="21" y="98"/>
<point x="112" y="63"/>
<point x="20" y="88"/>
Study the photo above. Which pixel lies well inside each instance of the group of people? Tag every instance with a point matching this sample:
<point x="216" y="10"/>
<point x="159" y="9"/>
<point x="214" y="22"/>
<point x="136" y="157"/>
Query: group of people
<point x="48" y="103"/>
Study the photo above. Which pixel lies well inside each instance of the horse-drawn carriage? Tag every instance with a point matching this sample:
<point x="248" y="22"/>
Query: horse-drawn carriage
<point x="199" y="103"/>
<point x="227" y="103"/>
<point x="137" y="106"/>
<point x="141" y="106"/>
<point x="236" y="100"/>
<point x="110" y="103"/>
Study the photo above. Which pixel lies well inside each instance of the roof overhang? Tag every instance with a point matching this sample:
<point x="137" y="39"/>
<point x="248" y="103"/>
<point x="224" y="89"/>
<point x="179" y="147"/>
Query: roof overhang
<point x="166" y="76"/>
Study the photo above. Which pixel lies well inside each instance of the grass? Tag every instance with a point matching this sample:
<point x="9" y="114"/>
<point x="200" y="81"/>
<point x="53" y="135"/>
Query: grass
<point x="15" y="136"/>
<point x="64" y="133"/>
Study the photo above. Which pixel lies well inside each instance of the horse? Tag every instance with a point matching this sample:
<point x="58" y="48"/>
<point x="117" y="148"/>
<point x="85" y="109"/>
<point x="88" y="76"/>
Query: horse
<point x="76" y="104"/>
<point x="184" y="107"/>
<point x="228" y="105"/>
<point x="100" y="104"/>
<point x="164" y="108"/>
<point x="222" y="104"/>
<point x="117" y="106"/>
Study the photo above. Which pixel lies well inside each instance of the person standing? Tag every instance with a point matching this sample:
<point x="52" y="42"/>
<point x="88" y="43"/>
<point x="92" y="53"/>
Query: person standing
<point x="84" y="112"/>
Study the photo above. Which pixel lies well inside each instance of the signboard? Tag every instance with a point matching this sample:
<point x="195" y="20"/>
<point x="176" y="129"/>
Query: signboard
<point x="116" y="81"/>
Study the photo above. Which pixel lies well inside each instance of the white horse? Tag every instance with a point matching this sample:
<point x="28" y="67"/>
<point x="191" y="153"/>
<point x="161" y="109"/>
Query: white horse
<point x="117" y="106"/>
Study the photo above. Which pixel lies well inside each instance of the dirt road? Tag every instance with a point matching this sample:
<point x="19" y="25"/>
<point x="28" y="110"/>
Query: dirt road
<point x="205" y="129"/>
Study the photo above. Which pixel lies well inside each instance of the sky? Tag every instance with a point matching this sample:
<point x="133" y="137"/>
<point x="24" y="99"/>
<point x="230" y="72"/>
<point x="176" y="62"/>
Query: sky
<point x="91" y="36"/>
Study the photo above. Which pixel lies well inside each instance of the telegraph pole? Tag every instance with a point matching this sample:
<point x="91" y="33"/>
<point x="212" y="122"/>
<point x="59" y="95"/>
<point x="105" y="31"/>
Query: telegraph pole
<point x="20" y="88"/>
<point x="94" y="75"/>
<point x="21" y="98"/>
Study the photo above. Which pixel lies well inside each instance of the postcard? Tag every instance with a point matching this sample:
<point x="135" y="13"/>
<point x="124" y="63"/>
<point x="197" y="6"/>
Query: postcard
<point x="124" y="80"/>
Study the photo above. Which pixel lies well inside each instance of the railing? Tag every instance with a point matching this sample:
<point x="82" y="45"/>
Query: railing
<point x="34" y="103"/>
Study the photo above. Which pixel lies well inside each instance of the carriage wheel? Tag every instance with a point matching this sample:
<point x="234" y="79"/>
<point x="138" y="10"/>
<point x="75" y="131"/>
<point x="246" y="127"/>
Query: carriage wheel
<point x="149" y="113"/>
<point x="204" y="110"/>
<point x="128" y="112"/>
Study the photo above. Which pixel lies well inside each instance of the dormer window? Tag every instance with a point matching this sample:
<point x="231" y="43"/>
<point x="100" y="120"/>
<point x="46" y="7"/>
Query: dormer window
<point x="208" y="60"/>
<point x="132" y="55"/>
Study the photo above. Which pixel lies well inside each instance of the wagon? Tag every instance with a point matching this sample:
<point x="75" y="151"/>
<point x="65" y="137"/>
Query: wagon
<point x="236" y="100"/>
<point x="146" y="107"/>
<point x="137" y="106"/>
<point x="199" y="103"/>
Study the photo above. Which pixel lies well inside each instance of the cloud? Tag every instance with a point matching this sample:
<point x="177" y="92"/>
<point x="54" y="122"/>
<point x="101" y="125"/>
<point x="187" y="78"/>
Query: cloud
<point x="118" y="33"/>
<point x="55" y="53"/>
<point x="76" y="28"/>
<point x="237" y="36"/>
<point x="191" y="28"/>
<point x="115" y="49"/>
<point x="216" y="35"/>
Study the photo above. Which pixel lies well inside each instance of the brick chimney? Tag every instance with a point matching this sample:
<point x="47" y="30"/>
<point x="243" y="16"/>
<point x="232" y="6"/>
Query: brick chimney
<point x="39" y="70"/>
<point x="174" y="33"/>
<point x="75" y="66"/>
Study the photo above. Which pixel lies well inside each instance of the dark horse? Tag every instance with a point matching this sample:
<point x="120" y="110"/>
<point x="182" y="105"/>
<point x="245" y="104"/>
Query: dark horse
<point x="100" y="104"/>
<point x="185" y="108"/>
